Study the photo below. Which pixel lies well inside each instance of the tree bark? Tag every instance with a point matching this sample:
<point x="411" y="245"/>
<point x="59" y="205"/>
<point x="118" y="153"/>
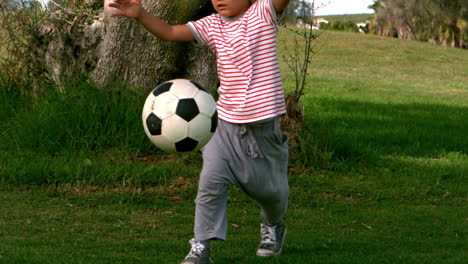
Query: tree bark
<point x="116" y="50"/>
<point x="131" y="54"/>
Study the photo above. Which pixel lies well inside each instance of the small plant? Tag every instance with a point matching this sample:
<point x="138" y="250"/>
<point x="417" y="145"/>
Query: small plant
<point x="298" y="58"/>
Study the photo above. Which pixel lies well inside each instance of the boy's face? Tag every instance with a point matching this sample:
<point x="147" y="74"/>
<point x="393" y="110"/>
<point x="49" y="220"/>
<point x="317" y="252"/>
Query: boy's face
<point x="230" y="8"/>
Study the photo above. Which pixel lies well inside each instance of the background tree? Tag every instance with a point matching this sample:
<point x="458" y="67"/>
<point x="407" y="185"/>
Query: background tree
<point x="130" y="52"/>
<point x="439" y="21"/>
<point x="73" y="38"/>
<point x="10" y="4"/>
<point x="290" y="13"/>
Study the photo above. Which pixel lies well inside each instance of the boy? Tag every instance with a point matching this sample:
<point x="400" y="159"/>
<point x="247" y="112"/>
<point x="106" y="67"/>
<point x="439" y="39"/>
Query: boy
<point x="248" y="148"/>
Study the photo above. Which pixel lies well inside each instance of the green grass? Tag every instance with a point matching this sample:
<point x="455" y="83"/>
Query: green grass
<point x="381" y="178"/>
<point x="356" y="18"/>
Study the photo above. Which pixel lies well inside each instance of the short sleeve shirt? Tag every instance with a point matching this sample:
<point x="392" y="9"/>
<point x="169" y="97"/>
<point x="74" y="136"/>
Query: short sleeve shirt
<point x="250" y="81"/>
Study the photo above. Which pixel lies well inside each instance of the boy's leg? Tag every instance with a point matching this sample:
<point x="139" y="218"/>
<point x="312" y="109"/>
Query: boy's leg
<point x="211" y="202"/>
<point x="252" y="157"/>
<point x="210" y="212"/>
<point x="266" y="179"/>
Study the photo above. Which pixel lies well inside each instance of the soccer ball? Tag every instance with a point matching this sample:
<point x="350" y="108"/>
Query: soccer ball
<point x="179" y="116"/>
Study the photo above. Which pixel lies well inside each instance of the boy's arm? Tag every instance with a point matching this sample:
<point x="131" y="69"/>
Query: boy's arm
<point x="163" y="30"/>
<point x="280" y="5"/>
<point x="158" y="27"/>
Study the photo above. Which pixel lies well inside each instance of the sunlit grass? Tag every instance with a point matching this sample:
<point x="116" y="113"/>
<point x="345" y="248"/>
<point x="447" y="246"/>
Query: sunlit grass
<point x="356" y="18"/>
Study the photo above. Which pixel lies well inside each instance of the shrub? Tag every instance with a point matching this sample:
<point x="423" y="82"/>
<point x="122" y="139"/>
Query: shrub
<point x="21" y="44"/>
<point x="348" y="26"/>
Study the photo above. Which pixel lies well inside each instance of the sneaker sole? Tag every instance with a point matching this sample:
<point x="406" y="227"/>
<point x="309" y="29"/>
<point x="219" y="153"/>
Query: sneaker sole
<point x="210" y="260"/>
<point x="271" y="254"/>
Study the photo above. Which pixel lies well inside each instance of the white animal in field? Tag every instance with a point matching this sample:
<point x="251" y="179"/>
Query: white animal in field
<point x="314" y="26"/>
<point x="362" y="25"/>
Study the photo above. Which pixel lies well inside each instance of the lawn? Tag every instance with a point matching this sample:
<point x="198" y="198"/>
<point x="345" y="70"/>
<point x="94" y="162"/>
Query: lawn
<point x="381" y="176"/>
<point x="356" y="18"/>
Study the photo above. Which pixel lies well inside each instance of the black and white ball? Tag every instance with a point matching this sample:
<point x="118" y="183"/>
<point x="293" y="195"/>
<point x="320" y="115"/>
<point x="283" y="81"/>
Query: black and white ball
<point x="179" y="116"/>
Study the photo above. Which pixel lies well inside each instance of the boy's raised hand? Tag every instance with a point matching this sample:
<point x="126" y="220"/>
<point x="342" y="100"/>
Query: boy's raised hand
<point x="128" y="8"/>
<point x="134" y="9"/>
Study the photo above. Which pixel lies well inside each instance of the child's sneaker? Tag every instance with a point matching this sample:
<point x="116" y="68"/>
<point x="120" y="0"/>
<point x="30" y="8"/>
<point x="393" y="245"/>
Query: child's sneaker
<point x="199" y="253"/>
<point x="272" y="240"/>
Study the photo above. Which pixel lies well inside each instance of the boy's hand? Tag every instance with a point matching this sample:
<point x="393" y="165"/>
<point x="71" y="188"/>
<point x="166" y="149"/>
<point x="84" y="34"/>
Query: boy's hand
<point x="128" y="8"/>
<point x="158" y="27"/>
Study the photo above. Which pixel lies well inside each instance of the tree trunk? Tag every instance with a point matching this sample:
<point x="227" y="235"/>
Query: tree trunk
<point x="115" y="50"/>
<point x="130" y="53"/>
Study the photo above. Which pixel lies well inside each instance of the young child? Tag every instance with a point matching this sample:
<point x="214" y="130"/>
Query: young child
<point x="248" y="149"/>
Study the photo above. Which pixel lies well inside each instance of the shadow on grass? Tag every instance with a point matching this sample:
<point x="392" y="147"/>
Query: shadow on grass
<point x="354" y="130"/>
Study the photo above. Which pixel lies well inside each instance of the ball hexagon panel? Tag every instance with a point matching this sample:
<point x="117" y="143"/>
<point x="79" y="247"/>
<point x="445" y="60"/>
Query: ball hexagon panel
<point x="205" y="103"/>
<point x="199" y="128"/>
<point x="163" y="143"/>
<point x="164" y="105"/>
<point x="187" y="109"/>
<point x="174" y="128"/>
<point x="153" y="123"/>
<point x="187" y="144"/>
<point x="183" y="89"/>
<point x="198" y="85"/>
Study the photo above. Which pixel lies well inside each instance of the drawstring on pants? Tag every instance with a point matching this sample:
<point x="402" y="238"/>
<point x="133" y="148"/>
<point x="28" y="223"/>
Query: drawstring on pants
<point x="253" y="150"/>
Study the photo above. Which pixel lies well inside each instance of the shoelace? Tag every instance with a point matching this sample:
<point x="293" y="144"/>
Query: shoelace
<point x="268" y="235"/>
<point x="196" y="249"/>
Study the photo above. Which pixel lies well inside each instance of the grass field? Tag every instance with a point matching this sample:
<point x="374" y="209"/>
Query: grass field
<point x="356" y="18"/>
<point x="382" y="177"/>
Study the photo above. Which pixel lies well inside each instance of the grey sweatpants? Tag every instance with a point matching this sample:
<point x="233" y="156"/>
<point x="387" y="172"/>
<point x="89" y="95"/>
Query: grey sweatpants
<point x="252" y="156"/>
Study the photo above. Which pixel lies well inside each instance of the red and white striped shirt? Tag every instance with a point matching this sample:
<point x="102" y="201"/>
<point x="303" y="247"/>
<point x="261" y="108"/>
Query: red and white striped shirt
<point x="250" y="82"/>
